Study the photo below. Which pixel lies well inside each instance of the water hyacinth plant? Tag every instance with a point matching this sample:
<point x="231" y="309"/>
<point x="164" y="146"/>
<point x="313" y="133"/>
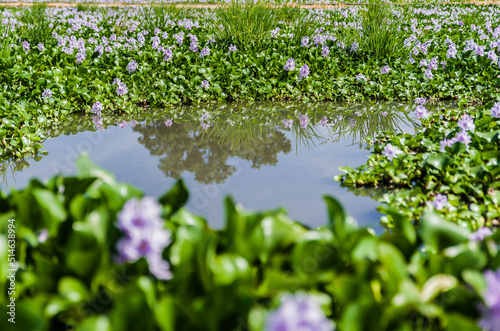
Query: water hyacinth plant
<point x="273" y="275"/>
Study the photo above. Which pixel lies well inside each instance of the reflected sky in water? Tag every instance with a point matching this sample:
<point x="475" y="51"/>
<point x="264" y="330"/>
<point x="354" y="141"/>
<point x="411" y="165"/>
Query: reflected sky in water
<point x="262" y="167"/>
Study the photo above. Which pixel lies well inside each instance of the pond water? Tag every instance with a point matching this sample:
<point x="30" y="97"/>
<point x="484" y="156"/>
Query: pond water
<point x="262" y="166"/>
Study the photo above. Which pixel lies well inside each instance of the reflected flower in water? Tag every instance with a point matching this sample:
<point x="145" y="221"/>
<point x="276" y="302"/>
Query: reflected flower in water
<point x="287" y="123"/>
<point x="421" y="112"/>
<point x="304" y="121"/>
<point x="132" y="123"/>
<point x="420" y="101"/>
<point x="324" y="121"/>
<point x="122" y="124"/>
<point x="205" y="126"/>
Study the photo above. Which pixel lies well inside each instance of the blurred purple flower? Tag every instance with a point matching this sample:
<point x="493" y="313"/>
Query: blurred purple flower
<point x="304" y="120"/>
<point x="324" y="121"/>
<point x="304" y="42"/>
<point x="121" y="89"/>
<point x="204" y="116"/>
<point x="420" y="101"/>
<point x="42" y="235"/>
<point x="205" y="52"/>
<point x="97" y="107"/>
<point x="47" y="94"/>
<point x="440" y="201"/>
<point x="289" y="65"/>
<point x="480" y="234"/>
<point x="385" y="70"/>
<point x="391" y="151"/>
<point x="169" y="122"/>
<point x="466" y="123"/>
<point x="133" y="123"/>
<point x="421" y="112"/>
<point x="132" y="66"/>
<point x="26" y="46"/>
<point x="232" y="48"/>
<point x="122" y="124"/>
<point x="298" y="312"/>
<point x="204" y="125"/>
<point x="204" y="84"/>
<point x="361" y="77"/>
<point x="495" y="110"/>
<point x="304" y="71"/>
<point x="325" y="51"/>
<point x="490" y="320"/>
<point x="383" y="113"/>
<point x="287" y="123"/>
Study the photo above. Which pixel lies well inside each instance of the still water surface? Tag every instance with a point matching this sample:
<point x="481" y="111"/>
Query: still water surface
<point x="261" y="168"/>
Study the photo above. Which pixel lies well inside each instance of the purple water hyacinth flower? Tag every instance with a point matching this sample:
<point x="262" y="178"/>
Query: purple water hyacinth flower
<point x="443" y="143"/>
<point x="121" y="89"/>
<point x="383" y="113"/>
<point x="289" y="65"/>
<point x="26" y="46"/>
<point x="275" y="33"/>
<point x="440" y="201"/>
<point x="232" y="48"/>
<point x="304" y="71"/>
<point x="391" y="151"/>
<point x="204" y="84"/>
<point x="47" y="94"/>
<point x="354" y="47"/>
<point x="167" y="54"/>
<point x="145" y="236"/>
<point x="41" y="47"/>
<point x="462" y="137"/>
<point x="194" y="47"/>
<point x="385" y="70"/>
<point x="304" y="42"/>
<point x="495" y="110"/>
<point x="97" y="107"/>
<point x="325" y="51"/>
<point x="304" y="120"/>
<point x="361" y="77"/>
<point x="205" y="52"/>
<point x="133" y="123"/>
<point x="287" y="123"/>
<point x="433" y="64"/>
<point x="298" y="312"/>
<point x="428" y="73"/>
<point x="324" y="121"/>
<point x="204" y="116"/>
<point x="424" y="63"/>
<point x="490" y="310"/>
<point x="122" y="124"/>
<point x="98" y="122"/>
<point x="164" y="35"/>
<point x="420" y="101"/>
<point x="421" y="112"/>
<point x="157" y="31"/>
<point x="480" y="234"/>
<point x="204" y="125"/>
<point x="132" y="66"/>
<point x="466" y="123"/>
<point x="168" y="122"/>
<point x="352" y="122"/>
<point x="80" y="57"/>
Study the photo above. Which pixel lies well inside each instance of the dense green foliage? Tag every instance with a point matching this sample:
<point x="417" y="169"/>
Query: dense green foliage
<point x="75" y="64"/>
<point x="467" y="173"/>
<point x="426" y="279"/>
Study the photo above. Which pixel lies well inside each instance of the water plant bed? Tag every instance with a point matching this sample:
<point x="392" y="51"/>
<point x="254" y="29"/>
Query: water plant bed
<point x="257" y="101"/>
<point x="67" y="60"/>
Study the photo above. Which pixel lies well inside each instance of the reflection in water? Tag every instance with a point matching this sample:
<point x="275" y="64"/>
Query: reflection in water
<point x="251" y="131"/>
<point x="186" y="148"/>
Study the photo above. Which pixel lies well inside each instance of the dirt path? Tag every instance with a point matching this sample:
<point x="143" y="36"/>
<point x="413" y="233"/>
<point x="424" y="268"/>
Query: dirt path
<point x="202" y="5"/>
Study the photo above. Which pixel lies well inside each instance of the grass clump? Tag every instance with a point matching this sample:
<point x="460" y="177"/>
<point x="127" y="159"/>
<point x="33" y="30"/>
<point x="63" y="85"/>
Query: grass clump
<point x="35" y="21"/>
